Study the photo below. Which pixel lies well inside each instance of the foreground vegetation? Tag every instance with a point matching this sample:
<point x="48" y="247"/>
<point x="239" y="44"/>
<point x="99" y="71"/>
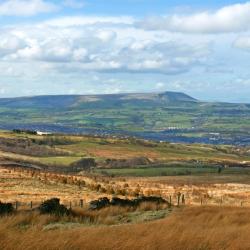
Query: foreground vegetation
<point x="206" y="228"/>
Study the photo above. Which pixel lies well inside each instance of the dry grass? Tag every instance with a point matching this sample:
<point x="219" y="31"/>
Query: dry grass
<point x="23" y="186"/>
<point x="190" y="228"/>
<point x="20" y="185"/>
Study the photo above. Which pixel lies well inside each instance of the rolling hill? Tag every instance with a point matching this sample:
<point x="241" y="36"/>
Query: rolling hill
<point x="74" y="101"/>
<point x="168" y="116"/>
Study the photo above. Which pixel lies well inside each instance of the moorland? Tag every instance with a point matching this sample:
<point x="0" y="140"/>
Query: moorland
<point x="205" y="189"/>
<point x="74" y="167"/>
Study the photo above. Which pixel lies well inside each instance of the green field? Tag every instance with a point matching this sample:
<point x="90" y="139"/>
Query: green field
<point x="170" y="171"/>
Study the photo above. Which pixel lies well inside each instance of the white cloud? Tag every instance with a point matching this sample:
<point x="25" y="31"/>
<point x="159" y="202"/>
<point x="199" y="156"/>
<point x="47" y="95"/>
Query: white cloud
<point x="147" y="60"/>
<point x="106" y="35"/>
<point x="70" y="21"/>
<point x="75" y="4"/>
<point x="160" y="85"/>
<point x="97" y="49"/>
<point x="26" y="7"/>
<point x="10" y="44"/>
<point x="242" y="43"/>
<point x="84" y="51"/>
<point x="2" y="91"/>
<point x="80" y="54"/>
<point x="243" y="82"/>
<point x="232" y="18"/>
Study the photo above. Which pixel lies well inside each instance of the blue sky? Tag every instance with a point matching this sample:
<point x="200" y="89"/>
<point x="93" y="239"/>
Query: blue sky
<point x="96" y="46"/>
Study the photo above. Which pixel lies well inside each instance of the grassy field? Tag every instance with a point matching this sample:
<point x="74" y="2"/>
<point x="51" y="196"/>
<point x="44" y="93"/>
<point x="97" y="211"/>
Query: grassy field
<point x="208" y="228"/>
<point x="215" y="215"/>
<point x="25" y="186"/>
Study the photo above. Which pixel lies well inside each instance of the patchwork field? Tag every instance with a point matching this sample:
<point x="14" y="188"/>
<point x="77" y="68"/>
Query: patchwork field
<point x="168" y="116"/>
<point x="114" y="152"/>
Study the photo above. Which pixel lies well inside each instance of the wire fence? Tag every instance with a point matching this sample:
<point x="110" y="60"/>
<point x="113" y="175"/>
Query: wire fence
<point x="173" y="200"/>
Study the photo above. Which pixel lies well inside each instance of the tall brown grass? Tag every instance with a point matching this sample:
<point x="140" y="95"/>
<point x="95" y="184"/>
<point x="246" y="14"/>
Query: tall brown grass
<point x="189" y="228"/>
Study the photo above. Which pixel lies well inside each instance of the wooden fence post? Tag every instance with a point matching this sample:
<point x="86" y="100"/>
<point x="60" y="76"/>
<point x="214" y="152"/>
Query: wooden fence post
<point x="16" y="205"/>
<point x="178" y="199"/>
<point x="183" y="199"/>
<point x="31" y="205"/>
<point x="81" y="203"/>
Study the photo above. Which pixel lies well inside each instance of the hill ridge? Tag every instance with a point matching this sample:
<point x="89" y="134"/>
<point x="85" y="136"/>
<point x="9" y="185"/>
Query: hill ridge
<point x="51" y="101"/>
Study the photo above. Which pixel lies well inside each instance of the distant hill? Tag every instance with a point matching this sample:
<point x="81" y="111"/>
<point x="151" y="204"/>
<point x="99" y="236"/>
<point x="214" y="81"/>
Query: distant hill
<point x="169" y="116"/>
<point x="176" y="97"/>
<point x="69" y="101"/>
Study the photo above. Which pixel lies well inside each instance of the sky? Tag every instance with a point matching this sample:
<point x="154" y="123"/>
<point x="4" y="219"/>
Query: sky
<point x="54" y="47"/>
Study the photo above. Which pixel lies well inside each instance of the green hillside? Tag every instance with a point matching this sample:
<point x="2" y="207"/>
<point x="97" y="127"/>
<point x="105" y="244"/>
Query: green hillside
<point x="161" y="116"/>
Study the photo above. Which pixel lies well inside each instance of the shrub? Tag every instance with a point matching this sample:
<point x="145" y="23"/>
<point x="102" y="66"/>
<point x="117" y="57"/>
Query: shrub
<point x="115" y="201"/>
<point x="121" y="202"/>
<point x="6" y="208"/>
<point x="53" y="206"/>
<point x="100" y="203"/>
